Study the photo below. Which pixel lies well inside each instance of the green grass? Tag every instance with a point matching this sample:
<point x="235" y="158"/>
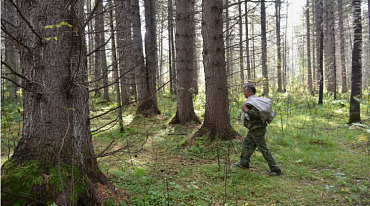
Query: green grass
<point x="324" y="162"/>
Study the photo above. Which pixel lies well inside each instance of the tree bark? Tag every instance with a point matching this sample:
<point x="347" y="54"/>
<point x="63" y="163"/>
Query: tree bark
<point x="356" y="79"/>
<point x="56" y="127"/>
<point x="138" y="57"/>
<point x="241" y="56"/>
<point x="264" y="50"/>
<point x="149" y="106"/>
<point x="216" y="118"/>
<point x="330" y="48"/>
<point x="319" y="48"/>
<point x="11" y="54"/>
<point x="101" y="60"/>
<point x="170" y="49"/>
<point x="124" y="61"/>
<point x="247" y="42"/>
<point x="309" y="71"/>
<point x="115" y="67"/>
<point x="185" y="62"/>
<point x="342" y="48"/>
<point x="278" y="44"/>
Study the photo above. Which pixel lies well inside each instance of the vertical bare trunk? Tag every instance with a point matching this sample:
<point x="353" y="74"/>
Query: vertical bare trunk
<point x="185" y="64"/>
<point x="124" y="61"/>
<point x="56" y="131"/>
<point x="228" y="40"/>
<point x="247" y="42"/>
<point x="216" y="117"/>
<point x="195" y="88"/>
<point x="253" y="53"/>
<point x="264" y="50"/>
<point x="101" y="60"/>
<point x="319" y="47"/>
<point x="278" y="44"/>
<point x="241" y="56"/>
<point x="309" y="73"/>
<point x="11" y="54"/>
<point x="342" y="48"/>
<point x="171" y="49"/>
<point x="115" y="66"/>
<point x="98" y="30"/>
<point x="356" y="78"/>
<point x="314" y="65"/>
<point x="330" y="47"/>
<point x="149" y="106"/>
<point x="138" y="57"/>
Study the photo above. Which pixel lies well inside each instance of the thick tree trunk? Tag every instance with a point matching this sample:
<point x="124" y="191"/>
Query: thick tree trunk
<point x="216" y="117"/>
<point x="124" y="60"/>
<point x="309" y="71"/>
<point x="264" y="50"/>
<point x="138" y="57"/>
<point x="149" y="105"/>
<point x="356" y="79"/>
<point x="56" y="140"/>
<point x="319" y="47"/>
<point x="342" y="48"/>
<point x="330" y="48"/>
<point x="185" y="63"/>
<point x="278" y="44"/>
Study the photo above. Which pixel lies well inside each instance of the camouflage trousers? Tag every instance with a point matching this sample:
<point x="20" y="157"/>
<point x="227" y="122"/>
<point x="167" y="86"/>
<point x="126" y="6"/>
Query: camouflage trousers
<point x="256" y="138"/>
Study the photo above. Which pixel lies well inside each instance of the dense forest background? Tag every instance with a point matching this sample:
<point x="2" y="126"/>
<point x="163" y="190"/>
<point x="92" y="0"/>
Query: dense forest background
<point x="137" y="102"/>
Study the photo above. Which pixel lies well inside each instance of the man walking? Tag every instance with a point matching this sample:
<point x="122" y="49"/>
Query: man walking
<point x="257" y="112"/>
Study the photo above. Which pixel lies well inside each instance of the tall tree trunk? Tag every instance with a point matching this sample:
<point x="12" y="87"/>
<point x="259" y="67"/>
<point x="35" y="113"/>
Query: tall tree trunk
<point x="56" y="140"/>
<point x="216" y="117"/>
<point x="11" y="54"/>
<point x="264" y="50"/>
<point x="330" y="47"/>
<point x="185" y="63"/>
<point x="138" y="57"/>
<point x="342" y="48"/>
<point x="314" y="67"/>
<point x="241" y="56"/>
<point x="171" y="49"/>
<point x="247" y="42"/>
<point x="319" y="48"/>
<point x="98" y="32"/>
<point x="90" y="36"/>
<point x="195" y="87"/>
<point x="356" y="79"/>
<point x="228" y="41"/>
<point x="309" y="73"/>
<point x="124" y="60"/>
<point x="149" y="106"/>
<point x="253" y="52"/>
<point x="115" y="66"/>
<point x="102" y="59"/>
<point x="278" y="44"/>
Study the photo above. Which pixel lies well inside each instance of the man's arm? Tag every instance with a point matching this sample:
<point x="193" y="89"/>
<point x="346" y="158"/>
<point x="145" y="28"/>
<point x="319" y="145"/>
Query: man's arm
<point x="252" y="111"/>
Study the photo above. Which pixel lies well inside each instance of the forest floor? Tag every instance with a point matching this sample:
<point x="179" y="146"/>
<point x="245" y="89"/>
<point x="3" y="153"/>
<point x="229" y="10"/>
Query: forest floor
<point x="324" y="161"/>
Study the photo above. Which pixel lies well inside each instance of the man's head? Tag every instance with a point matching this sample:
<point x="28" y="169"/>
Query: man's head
<point x="249" y="90"/>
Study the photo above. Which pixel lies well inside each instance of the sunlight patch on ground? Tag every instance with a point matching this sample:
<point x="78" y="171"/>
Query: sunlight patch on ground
<point x="128" y="118"/>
